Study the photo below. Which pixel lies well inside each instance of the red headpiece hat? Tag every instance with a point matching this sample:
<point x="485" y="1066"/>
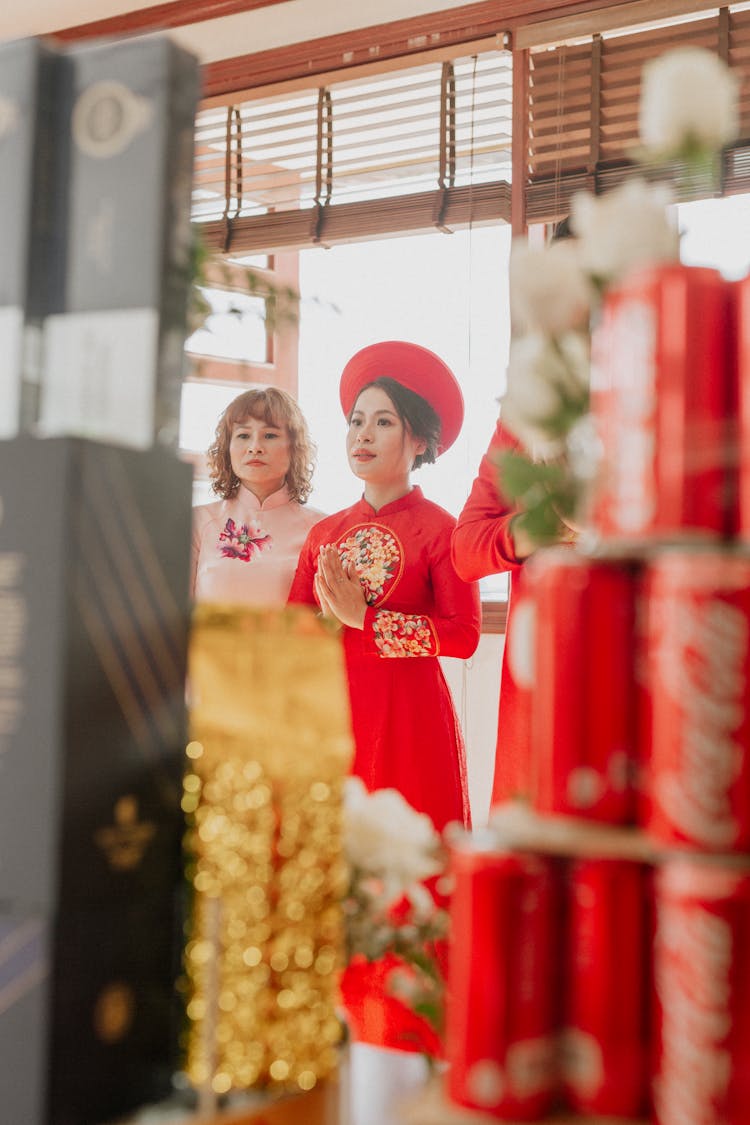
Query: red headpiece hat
<point x="414" y="367"/>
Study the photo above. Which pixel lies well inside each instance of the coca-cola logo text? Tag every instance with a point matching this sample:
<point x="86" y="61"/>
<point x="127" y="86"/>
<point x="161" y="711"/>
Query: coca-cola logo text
<point x="692" y="966"/>
<point x="699" y="696"/>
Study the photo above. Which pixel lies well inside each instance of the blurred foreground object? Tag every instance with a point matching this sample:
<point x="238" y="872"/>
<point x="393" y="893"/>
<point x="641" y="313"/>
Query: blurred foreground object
<point x="94" y="552"/>
<point x="96" y="147"/>
<point x="270" y="747"/>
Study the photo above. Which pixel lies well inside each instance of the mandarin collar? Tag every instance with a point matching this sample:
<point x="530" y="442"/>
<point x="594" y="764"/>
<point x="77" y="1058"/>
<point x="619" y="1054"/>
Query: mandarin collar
<point x="408" y="500"/>
<point x="247" y="499"/>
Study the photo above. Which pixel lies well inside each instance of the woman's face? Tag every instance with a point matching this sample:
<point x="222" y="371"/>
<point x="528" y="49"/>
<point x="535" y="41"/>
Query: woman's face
<point x="380" y="447"/>
<point x="260" y="455"/>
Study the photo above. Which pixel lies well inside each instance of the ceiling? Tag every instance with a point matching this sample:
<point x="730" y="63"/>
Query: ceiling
<point x="253" y="44"/>
<point x="269" y="23"/>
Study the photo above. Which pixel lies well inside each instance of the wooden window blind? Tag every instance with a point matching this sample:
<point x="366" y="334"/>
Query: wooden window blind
<point x="583" y="100"/>
<point x="413" y="149"/>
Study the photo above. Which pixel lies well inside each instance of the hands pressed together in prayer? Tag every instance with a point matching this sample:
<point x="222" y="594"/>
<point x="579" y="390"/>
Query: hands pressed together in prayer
<point x="338" y="589"/>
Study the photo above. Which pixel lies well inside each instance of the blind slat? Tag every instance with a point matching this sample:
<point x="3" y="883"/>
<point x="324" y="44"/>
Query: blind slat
<point x="384" y="145"/>
<point x="564" y="131"/>
<point x="358" y="221"/>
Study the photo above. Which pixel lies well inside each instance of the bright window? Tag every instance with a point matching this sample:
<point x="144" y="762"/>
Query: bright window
<point x="234" y="329"/>
<point x="716" y="232"/>
<point x="447" y="292"/>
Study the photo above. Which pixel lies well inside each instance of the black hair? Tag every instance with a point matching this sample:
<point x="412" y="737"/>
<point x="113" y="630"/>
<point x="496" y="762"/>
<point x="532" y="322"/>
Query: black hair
<point x="415" y="412"/>
<point x="562" y="230"/>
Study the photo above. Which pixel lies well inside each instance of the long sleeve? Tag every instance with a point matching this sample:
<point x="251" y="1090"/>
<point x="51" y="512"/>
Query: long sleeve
<point x="200" y="519"/>
<point x="302" y="591"/>
<point x="452" y="629"/>
<point x="194" y="549"/>
<point x="482" y="542"/>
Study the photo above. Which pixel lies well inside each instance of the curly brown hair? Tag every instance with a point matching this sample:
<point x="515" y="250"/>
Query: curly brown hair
<point x="276" y="408"/>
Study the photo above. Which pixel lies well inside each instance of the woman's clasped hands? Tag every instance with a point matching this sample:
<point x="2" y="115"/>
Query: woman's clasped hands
<point x="338" y="589"/>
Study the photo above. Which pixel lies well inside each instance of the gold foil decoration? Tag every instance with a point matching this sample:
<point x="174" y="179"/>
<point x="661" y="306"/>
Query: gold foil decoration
<point x="270" y="747"/>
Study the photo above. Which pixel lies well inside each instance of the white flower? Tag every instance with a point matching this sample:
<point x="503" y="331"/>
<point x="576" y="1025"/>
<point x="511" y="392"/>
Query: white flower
<point x="688" y="98"/>
<point x="385" y="836"/>
<point x="584" y="448"/>
<point x="405" y="986"/>
<point x="549" y="291"/>
<point x="628" y="226"/>
<point x="542" y="374"/>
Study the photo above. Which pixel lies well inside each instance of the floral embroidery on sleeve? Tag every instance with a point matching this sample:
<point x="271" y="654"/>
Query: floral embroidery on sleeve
<point x="243" y="543"/>
<point x="403" y="634"/>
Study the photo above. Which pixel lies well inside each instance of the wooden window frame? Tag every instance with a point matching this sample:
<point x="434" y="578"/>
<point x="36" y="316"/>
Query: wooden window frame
<point x="281" y="367"/>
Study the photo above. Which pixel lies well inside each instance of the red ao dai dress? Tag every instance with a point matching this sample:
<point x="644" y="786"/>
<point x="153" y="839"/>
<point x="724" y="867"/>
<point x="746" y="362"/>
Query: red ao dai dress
<point x="406" y="730"/>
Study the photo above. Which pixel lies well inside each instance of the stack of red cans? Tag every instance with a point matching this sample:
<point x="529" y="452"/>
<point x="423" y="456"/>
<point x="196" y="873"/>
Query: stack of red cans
<point x="671" y="397"/>
<point x="671" y="364"/>
<point x="671" y="400"/>
<point x="549" y="983"/>
<point x="695" y="661"/>
<point x="640" y="716"/>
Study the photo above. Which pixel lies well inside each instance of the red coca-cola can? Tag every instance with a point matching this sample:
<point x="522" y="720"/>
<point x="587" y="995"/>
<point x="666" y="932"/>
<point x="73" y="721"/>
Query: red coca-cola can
<point x="702" y="985"/>
<point x="583" y="720"/>
<point x="740" y="432"/>
<point x="697" y="660"/>
<point x="502" y="1008"/>
<point x="642" y="699"/>
<point x="661" y="401"/>
<point x="607" y="1014"/>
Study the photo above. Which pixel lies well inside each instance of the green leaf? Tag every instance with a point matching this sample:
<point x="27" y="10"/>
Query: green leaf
<point x="546" y="493"/>
<point x="431" y="1012"/>
<point x="519" y="475"/>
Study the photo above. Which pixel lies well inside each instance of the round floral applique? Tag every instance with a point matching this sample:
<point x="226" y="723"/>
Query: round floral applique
<point x="377" y="556"/>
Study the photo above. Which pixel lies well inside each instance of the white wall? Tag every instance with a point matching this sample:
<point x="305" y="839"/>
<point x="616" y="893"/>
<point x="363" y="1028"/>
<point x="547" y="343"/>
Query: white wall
<point x="475" y="685"/>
